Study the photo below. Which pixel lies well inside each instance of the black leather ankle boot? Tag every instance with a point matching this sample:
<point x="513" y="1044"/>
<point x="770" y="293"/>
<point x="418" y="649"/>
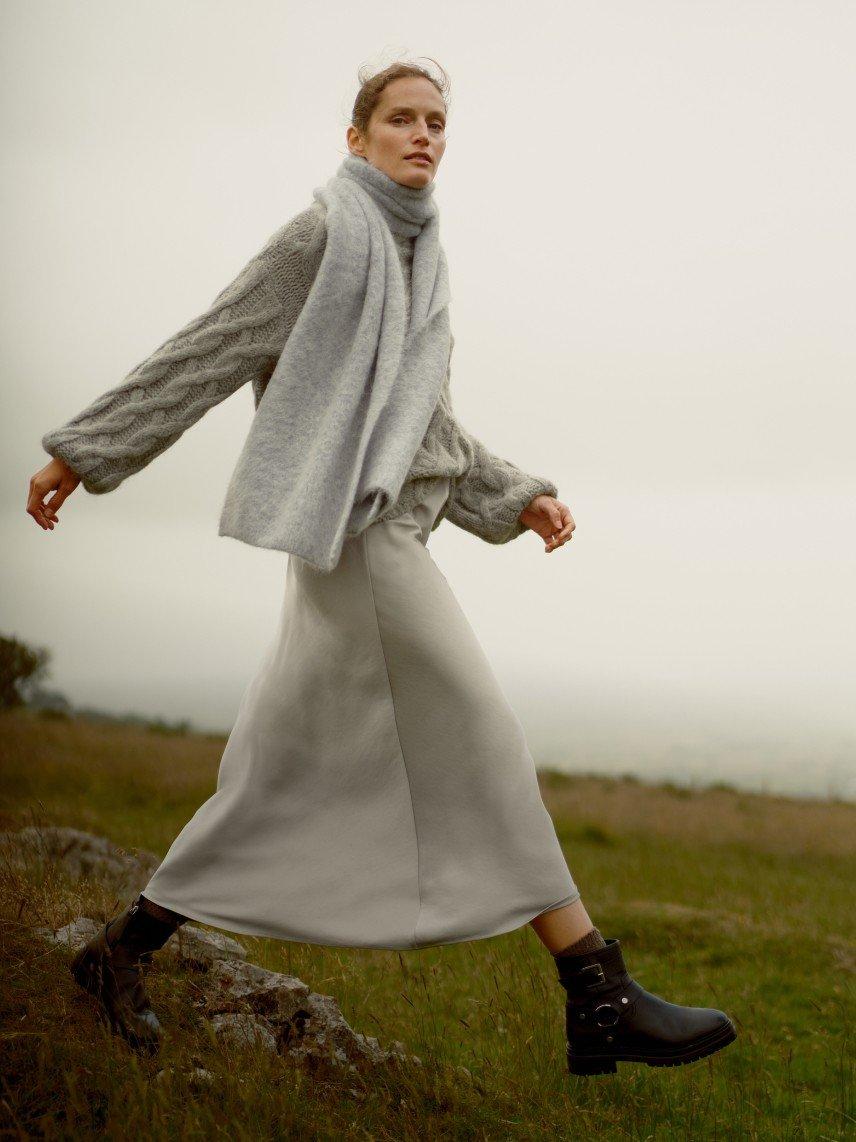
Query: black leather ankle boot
<point x="609" y="1018"/>
<point x="108" y="967"/>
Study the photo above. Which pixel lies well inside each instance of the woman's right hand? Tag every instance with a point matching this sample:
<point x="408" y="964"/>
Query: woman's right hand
<point x="55" y="477"/>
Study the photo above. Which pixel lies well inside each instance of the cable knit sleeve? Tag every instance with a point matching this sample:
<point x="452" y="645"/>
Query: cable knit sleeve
<point x="237" y="339"/>
<point x="488" y="497"/>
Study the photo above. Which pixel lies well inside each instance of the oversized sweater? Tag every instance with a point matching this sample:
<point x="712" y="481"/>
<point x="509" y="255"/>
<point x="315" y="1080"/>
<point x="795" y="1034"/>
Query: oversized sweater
<point x="239" y="338"/>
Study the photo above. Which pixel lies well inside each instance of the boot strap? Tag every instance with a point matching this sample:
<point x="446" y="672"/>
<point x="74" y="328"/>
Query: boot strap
<point x="594" y="975"/>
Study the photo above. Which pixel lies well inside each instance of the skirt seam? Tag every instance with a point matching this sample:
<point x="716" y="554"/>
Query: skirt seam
<point x="397" y="734"/>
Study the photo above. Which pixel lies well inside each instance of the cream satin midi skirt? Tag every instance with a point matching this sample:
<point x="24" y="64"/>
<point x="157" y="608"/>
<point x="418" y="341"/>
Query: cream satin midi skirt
<point x="376" y="790"/>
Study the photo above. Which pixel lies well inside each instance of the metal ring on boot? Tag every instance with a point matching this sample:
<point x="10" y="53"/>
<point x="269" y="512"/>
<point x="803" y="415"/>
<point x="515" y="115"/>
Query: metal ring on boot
<point x="609" y="1022"/>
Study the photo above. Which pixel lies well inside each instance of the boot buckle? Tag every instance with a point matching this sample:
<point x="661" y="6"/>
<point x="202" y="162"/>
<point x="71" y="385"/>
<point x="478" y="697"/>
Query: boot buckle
<point x="599" y="974"/>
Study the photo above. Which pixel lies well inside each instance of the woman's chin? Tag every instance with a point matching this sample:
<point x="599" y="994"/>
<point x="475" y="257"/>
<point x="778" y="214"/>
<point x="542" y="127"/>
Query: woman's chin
<point x="415" y="175"/>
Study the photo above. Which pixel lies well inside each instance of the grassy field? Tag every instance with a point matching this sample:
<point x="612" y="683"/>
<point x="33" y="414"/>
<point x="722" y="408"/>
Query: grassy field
<point x="720" y="898"/>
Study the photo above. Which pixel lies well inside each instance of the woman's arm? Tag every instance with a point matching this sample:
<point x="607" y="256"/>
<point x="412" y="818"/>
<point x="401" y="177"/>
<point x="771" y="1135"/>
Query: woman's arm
<point x="237" y="339"/>
<point x="489" y="496"/>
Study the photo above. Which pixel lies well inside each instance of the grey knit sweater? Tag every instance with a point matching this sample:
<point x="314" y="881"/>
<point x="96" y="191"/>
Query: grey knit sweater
<point x="238" y="339"/>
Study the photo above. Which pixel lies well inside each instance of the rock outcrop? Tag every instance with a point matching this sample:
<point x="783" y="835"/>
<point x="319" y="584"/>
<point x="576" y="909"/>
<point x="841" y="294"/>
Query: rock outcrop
<point x="245" y="1005"/>
<point x="81" y="855"/>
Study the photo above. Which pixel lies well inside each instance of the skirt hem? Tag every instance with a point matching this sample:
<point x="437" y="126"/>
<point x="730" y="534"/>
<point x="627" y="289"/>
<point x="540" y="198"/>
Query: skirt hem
<point x="503" y="928"/>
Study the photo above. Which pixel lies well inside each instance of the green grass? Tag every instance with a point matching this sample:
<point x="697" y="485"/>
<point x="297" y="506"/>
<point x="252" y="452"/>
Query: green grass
<point x="719" y="897"/>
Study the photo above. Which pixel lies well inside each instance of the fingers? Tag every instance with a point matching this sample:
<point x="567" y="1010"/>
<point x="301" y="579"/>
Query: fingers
<point x="54" y="478"/>
<point x="56" y="501"/>
<point x="552" y="520"/>
<point x="37" y="509"/>
<point x="564" y="531"/>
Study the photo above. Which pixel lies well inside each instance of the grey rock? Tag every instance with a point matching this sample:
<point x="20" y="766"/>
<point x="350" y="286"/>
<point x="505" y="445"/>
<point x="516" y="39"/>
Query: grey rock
<point x="245" y="1003"/>
<point x="198" y="1077"/>
<point x="234" y="985"/>
<point x="199" y="948"/>
<point x="321" y="1032"/>
<point x="72" y="935"/>
<point x="243" y="1030"/>
<point x="83" y="855"/>
<point x="307" y="1025"/>
<point x="250" y="1003"/>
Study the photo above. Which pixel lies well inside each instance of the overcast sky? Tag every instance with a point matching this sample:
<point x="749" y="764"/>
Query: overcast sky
<point x="648" y="215"/>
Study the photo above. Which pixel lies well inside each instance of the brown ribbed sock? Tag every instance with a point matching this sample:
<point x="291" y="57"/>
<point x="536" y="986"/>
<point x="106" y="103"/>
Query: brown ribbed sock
<point x="159" y="912"/>
<point x="590" y="942"/>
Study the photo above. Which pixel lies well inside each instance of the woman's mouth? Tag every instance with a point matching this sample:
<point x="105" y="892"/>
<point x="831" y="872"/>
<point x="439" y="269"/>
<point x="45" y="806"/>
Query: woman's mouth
<point x="419" y="159"/>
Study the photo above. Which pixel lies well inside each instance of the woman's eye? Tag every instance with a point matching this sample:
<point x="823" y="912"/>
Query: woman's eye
<point x="402" y="119"/>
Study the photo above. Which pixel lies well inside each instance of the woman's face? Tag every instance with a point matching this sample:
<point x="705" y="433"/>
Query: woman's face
<point x="410" y="117"/>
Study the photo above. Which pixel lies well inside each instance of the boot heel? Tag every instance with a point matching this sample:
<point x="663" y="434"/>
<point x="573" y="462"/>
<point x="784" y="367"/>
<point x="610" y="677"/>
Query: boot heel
<point x="583" y="1066"/>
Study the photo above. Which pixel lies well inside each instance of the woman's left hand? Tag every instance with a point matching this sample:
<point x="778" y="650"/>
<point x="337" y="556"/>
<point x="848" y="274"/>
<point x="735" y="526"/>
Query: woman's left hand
<point x="549" y="518"/>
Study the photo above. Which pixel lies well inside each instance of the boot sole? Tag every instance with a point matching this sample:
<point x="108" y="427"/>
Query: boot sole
<point x="87" y="971"/>
<point x="606" y="1064"/>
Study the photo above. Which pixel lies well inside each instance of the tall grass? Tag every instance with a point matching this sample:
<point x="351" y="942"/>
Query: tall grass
<point x="720" y="898"/>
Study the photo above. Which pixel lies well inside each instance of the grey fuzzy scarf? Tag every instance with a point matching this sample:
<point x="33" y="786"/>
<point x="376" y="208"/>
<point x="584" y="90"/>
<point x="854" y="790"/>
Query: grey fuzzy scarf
<point x="354" y="389"/>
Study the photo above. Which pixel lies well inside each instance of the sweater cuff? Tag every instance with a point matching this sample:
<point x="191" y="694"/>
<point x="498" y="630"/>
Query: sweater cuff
<point x="490" y="507"/>
<point x="519" y="499"/>
<point x="62" y="447"/>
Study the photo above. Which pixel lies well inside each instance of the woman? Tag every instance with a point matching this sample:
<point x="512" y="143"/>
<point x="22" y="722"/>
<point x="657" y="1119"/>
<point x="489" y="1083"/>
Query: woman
<point x="376" y="789"/>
